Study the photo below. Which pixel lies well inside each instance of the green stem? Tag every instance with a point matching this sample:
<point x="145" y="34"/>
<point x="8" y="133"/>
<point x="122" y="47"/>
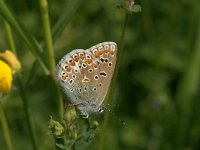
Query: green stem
<point x="113" y="85"/>
<point x="58" y="100"/>
<point x="186" y="92"/>
<point x="52" y="64"/>
<point x="47" y="34"/>
<point x="28" y="114"/>
<point x="22" y="91"/>
<point x="6" y="131"/>
<point x="9" y="36"/>
<point x="50" y="52"/>
<point x="59" y="140"/>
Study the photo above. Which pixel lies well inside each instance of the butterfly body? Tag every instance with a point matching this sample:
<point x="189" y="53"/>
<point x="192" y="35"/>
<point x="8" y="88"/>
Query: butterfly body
<point x="85" y="75"/>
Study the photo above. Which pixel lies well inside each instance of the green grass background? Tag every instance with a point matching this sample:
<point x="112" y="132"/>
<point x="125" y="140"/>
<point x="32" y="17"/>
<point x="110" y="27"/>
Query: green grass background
<point x="157" y="87"/>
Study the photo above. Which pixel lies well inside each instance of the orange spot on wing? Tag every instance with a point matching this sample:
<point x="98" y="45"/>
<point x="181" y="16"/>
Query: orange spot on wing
<point x="72" y="63"/>
<point x="112" y="53"/>
<point x="68" y="70"/>
<point x="64" y="77"/>
<point x="101" y="51"/>
<point x="76" y="59"/>
<point x="96" y="54"/>
<point x="94" y="65"/>
<point x="89" y="61"/>
<point x="82" y="57"/>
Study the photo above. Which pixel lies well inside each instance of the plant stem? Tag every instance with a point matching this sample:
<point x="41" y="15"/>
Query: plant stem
<point x="50" y="52"/>
<point x="52" y="64"/>
<point x="186" y="92"/>
<point x="5" y="128"/>
<point x="9" y="37"/>
<point x="28" y="114"/>
<point x="47" y="34"/>
<point x="22" y="91"/>
<point x="113" y="85"/>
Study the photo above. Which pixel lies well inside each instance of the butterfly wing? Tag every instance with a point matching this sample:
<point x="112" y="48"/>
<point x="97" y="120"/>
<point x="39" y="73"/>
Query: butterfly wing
<point x="105" y="55"/>
<point x="85" y="75"/>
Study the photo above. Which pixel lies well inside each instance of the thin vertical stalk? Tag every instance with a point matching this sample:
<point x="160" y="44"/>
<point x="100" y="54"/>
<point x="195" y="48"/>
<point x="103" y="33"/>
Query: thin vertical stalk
<point x="47" y="34"/>
<point x="27" y="114"/>
<point x="50" y="51"/>
<point x="52" y="64"/>
<point x="113" y="85"/>
<point x="22" y="91"/>
<point x="9" y="37"/>
<point x="5" y="127"/>
<point x="186" y="92"/>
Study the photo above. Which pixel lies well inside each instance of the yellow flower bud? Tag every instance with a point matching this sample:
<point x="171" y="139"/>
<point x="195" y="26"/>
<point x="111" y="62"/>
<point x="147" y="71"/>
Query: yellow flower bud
<point x="5" y="78"/>
<point x="12" y="60"/>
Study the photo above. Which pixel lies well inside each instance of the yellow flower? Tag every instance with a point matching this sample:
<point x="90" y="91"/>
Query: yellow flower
<point x="12" y="60"/>
<point x="5" y="77"/>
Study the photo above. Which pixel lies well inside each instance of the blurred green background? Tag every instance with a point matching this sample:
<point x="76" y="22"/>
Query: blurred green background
<point x="156" y="91"/>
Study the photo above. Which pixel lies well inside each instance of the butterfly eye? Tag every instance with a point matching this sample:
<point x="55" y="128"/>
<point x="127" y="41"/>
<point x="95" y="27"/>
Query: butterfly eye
<point x="100" y="110"/>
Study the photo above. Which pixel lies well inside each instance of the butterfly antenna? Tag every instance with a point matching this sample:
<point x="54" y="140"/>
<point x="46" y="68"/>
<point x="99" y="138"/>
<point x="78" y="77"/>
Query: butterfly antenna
<point x="113" y="105"/>
<point x="112" y="113"/>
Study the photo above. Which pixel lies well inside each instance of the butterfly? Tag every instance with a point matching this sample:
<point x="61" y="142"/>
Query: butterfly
<point x="85" y="76"/>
